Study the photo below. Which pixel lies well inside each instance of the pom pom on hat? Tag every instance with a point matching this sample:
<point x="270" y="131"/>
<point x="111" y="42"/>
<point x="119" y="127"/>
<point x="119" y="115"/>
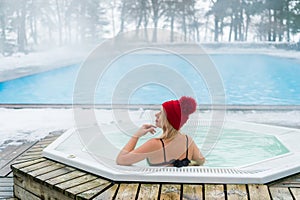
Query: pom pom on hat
<point x="188" y="105"/>
<point x="178" y="111"/>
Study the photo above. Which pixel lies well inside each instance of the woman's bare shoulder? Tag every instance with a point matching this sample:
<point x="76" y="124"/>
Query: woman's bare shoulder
<point x="190" y="138"/>
<point x="192" y="143"/>
<point x="154" y="141"/>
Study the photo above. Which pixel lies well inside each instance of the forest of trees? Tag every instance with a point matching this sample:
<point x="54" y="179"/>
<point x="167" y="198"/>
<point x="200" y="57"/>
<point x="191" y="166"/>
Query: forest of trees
<point x="26" y="24"/>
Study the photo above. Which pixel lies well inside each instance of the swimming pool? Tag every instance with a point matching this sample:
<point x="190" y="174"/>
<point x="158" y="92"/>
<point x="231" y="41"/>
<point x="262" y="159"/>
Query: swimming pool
<point x="249" y="79"/>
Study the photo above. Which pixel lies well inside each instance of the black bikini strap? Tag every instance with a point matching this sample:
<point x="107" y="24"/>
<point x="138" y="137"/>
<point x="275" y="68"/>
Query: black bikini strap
<point x="163" y="145"/>
<point x="187" y="146"/>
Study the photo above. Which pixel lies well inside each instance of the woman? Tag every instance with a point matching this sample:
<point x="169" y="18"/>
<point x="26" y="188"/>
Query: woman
<point x="173" y="148"/>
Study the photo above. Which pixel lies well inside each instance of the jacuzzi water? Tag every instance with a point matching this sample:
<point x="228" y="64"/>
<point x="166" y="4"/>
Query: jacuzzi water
<point x="234" y="148"/>
<point x="248" y="79"/>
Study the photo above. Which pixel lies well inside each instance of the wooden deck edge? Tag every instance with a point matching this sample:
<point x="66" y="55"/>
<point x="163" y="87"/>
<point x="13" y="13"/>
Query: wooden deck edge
<point x="45" y="190"/>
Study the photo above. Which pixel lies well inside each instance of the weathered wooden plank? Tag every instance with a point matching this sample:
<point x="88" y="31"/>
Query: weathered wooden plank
<point x="74" y="182"/>
<point x="148" y="191"/>
<point x="29" y="156"/>
<point x="170" y="191"/>
<point x="32" y="155"/>
<point x="35" y="149"/>
<point x="65" y="177"/>
<point x="296" y="192"/>
<point x="215" y="192"/>
<point x="21" y="160"/>
<point x="278" y="193"/>
<point x="26" y="158"/>
<point x="13" y="151"/>
<point x="292" y="181"/>
<point x="6" y="188"/>
<point x="6" y="195"/>
<point x="5" y="181"/>
<point x="127" y="191"/>
<point x="55" y="173"/>
<point x="97" y="183"/>
<point x="22" y="157"/>
<point x="108" y="194"/>
<point x="39" y="146"/>
<point x="92" y="192"/>
<point x="236" y="192"/>
<point x="46" y="169"/>
<point x="32" y="151"/>
<point x="23" y="194"/>
<point x="291" y="184"/>
<point x="258" y="192"/>
<point x="45" y="142"/>
<point x="40" y="190"/>
<point x="287" y="184"/>
<point x="192" y="192"/>
<point x="38" y="152"/>
<point x="9" y="155"/>
<point x="27" y="163"/>
<point x="37" y="166"/>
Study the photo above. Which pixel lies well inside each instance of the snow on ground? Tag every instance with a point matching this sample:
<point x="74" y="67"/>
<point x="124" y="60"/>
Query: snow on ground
<point x="20" y="125"/>
<point x="267" y="51"/>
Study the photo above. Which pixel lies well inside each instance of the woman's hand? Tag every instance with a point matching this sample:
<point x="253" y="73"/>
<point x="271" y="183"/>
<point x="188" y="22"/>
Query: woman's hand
<point x="144" y="129"/>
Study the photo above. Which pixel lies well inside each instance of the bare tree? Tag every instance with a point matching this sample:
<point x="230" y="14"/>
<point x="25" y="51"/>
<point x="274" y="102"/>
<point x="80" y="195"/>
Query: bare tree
<point x="158" y="8"/>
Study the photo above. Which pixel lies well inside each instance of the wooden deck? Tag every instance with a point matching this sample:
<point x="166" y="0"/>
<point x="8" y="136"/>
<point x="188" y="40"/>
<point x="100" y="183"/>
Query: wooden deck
<point x="34" y="177"/>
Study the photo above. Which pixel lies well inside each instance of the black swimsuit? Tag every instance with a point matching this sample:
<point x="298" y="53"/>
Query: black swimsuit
<point x="174" y="162"/>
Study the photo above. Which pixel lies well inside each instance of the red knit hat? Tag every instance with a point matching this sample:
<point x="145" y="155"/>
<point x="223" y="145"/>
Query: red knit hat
<point x="178" y="111"/>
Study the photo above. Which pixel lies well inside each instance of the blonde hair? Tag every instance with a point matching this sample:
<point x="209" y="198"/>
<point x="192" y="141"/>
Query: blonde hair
<point x="169" y="132"/>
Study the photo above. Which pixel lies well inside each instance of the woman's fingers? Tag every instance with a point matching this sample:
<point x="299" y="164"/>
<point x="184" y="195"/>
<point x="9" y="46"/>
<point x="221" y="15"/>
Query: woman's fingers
<point x="145" y="129"/>
<point x="147" y="126"/>
<point x="152" y="130"/>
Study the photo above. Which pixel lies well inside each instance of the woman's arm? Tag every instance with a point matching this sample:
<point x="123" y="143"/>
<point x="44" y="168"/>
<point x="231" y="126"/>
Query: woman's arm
<point x="197" y="158"/>
<point x="129" y="155"/>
